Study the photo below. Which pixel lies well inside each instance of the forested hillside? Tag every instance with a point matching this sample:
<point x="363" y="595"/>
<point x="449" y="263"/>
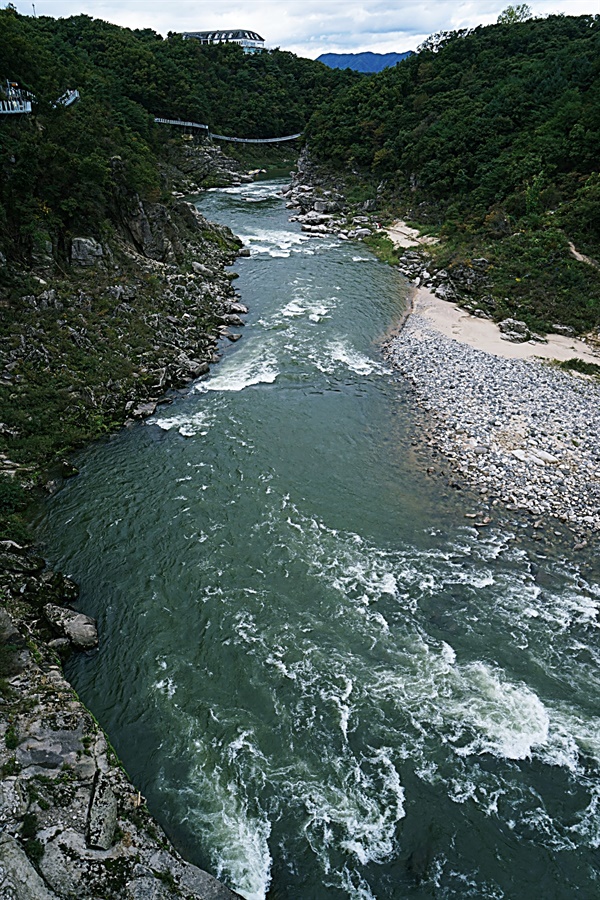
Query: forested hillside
<point x="55" y="166"/>
<point x="492" y="137"/>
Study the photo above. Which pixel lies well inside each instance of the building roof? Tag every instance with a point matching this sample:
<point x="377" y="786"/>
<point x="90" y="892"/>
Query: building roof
<point x="227" y="35"/>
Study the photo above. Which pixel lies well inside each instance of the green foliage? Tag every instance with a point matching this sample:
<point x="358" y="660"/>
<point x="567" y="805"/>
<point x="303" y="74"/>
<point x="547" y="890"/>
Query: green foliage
<point x="166" y="878"/>
<point x="57" y="177"/>
<point x="492" y="136"/>
<point x="519" y="13"/>
<point x="8" y="654"/>
<point x="383" y="248"/>
<point x="13" y="501"/>
<point x="33" y="846"/>
<point x="11" y="738"/>
<point x="29" y="826"/>
<point x="579" y="365"/>
<point x="13" y="497"/>
<point x="10" y="767"/>
<point x="34" y="849"/>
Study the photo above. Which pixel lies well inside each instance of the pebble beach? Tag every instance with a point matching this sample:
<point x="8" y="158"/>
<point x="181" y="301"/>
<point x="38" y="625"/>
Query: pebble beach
<point x="523" y="432"/>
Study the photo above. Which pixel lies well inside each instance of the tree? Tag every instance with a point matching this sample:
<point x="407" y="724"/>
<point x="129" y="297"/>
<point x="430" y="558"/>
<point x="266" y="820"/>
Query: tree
<point x="519" y="13"/>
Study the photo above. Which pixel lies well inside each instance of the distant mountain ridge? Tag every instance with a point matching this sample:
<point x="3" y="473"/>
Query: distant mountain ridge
<point x="362" y="62"/>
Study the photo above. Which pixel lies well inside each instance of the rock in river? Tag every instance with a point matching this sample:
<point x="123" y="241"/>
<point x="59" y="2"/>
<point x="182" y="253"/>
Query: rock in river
<point x="81" y="630"/>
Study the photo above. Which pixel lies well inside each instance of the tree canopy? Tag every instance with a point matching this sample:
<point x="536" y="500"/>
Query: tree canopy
<point x="492" y="131"/>
<point x="55" y="165"/>
<point x="519" y="13"/>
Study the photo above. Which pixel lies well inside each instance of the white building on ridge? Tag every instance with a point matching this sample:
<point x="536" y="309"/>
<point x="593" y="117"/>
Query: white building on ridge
<point x="250" y="41"/>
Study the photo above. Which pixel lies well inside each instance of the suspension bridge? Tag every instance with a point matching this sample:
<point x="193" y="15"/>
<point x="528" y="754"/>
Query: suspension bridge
<point x="18" y="102"/>
<point x="204" y="129"/>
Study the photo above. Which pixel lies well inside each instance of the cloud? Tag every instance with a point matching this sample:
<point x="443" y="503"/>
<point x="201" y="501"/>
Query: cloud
<point x="308" y="27"/>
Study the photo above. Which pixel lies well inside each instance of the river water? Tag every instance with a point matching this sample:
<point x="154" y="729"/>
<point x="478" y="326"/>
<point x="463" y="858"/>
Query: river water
<point x="326" y="682"/>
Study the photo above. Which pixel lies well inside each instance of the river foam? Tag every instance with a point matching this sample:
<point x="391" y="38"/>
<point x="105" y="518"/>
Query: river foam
<point x="350" y="802"/>
<point x="249" y="368"/>
<point x="326" y="680"/>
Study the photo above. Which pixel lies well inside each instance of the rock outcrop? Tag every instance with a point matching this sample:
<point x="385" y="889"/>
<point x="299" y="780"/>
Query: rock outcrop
<point x="191" y="165"/>
<point x="78" y="629"/>
<point x="86" y="251"/>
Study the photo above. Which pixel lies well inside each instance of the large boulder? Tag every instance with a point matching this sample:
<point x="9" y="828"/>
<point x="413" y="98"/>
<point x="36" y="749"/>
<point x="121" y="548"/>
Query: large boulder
<point x="86" y="252"/>
<point x="81" y="630"/>
<point x="102" y="818"/>
<point x="514" y="330"/>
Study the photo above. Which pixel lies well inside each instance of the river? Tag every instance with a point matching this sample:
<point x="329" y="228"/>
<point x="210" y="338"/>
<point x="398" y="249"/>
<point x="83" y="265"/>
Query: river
<point x="324" y="679"/>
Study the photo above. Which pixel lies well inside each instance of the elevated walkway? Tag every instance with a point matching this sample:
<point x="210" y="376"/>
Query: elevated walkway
<point x="15" y="107"/>
<point x="272" y="140"/>
<point x="181" y="123"/>
<point x="18" y="101"/>
<point x="68" y="98"/>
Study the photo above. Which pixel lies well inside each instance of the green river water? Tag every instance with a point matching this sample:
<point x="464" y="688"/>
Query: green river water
<point x="325" y="681"/>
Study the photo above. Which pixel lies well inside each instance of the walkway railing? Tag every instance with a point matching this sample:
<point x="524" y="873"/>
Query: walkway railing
<point x="18" y="101"/>
<point x="69" y="97"/>
<point x="289" y="137"/>
<point x="15" y="107"/>
<point x="180" y="123"/>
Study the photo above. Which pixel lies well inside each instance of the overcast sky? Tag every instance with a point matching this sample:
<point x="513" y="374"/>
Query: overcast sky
<point x="308" y="27"/>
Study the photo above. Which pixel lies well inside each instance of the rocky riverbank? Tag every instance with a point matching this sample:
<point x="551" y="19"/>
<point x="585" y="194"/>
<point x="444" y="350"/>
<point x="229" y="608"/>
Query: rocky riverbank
<point x="320" y="204"/>
<point x="71" y="823"/>
<point x="137" y="311"/>
<point x="524" y="433"/>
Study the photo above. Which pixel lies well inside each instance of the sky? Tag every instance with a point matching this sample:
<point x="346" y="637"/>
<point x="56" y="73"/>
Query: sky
<point x="308" y="27"/>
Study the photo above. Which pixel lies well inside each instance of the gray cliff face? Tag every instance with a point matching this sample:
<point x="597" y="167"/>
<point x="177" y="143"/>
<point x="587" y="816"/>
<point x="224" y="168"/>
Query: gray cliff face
<point x="189" y="163"/>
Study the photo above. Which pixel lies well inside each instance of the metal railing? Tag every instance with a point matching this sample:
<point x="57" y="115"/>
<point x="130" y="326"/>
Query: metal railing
<point x="273" y="140"/>
<point x="180" y="123"/>
<point x="222" y="137"/>
<point x="68" y="98"/>
<point x="19" y="101"/>
<point x="15" y="107"/>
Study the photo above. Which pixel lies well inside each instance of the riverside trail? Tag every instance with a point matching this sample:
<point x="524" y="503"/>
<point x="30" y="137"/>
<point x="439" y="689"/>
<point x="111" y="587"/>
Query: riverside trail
<point x="327" y="682"/>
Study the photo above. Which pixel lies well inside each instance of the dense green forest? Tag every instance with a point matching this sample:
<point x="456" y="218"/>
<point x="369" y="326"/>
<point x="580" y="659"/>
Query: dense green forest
<point x="489" y="138"/>
<point x="492" y="137"/>
<point x="55" y="166"/>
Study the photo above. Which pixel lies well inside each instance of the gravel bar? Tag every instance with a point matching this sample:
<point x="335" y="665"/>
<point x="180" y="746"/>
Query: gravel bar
<point x="525" y="433"/>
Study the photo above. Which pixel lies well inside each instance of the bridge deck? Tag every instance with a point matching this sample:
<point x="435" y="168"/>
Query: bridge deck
<point x="273" y="140"/>
<point x="180" y="123"/>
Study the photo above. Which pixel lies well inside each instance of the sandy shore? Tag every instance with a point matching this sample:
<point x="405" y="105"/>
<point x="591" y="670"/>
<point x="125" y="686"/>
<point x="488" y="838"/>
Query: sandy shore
<point x="524" y="433"/>
<point x="402" y="235"/>
<point x="483" y="334"/>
